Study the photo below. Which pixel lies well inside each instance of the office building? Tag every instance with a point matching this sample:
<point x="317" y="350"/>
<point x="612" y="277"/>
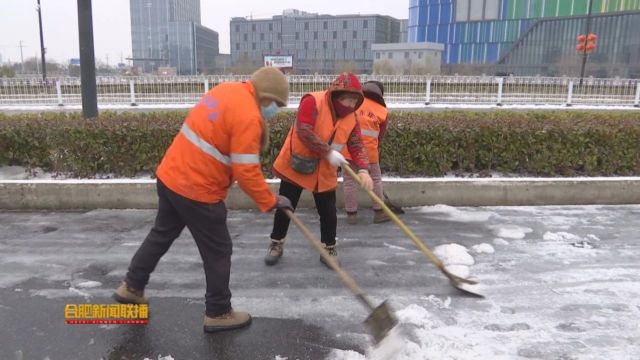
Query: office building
<point x="314" y="43"/>
<point x="530" y="36"/>
<point x="168" y="33"/>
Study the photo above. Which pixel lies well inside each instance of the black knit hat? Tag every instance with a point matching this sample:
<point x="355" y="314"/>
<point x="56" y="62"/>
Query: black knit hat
<point x="373" y="86"/>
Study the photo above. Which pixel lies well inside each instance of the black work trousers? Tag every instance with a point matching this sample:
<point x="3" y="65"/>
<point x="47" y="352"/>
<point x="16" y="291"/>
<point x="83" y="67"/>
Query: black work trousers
<point x="325" y="204"/>
<point x="208" y="226"/>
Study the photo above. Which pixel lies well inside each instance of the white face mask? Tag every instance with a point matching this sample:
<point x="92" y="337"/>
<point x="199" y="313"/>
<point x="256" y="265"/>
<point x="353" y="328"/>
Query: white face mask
<point x="269" y="111"/>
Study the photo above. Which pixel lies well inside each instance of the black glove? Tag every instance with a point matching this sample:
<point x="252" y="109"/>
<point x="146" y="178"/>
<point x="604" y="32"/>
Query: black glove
<point x="284" y="203"/>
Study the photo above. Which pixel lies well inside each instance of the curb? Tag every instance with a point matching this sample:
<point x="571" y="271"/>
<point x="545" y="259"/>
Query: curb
<point x="140" y="194"/>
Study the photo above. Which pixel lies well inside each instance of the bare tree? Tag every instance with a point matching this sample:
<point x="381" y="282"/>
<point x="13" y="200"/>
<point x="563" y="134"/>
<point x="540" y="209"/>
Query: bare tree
<point x="383" y="67"/>
<point x="348" y="66"/>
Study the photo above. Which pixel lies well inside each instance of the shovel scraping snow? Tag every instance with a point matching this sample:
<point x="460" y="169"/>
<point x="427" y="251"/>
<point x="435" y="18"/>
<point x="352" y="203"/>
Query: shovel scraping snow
<point x="381" y="319"/>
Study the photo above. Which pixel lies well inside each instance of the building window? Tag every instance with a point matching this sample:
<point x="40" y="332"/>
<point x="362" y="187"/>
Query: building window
<point x="270" y="27"/>
<point x="237" y="28"/>
<point x="406" y="54"/>
<point x="297" y="36"/>
<point x="364" y="44"/>
<point x="344" y="24"/>
<point x="270" y="46"/>
<point x="279" y="36"/>
<point x="261" y="36"/>
<point x="315" y="35"/>
<point x="253" y="27"/>
<point x="344" y="44"/>
<point x="472" y="10"/>
<point x="420" y="55"/>
<point x="325" y="25"/>
<point x="237" y="46"/>
<point x="306" y="26"/>
<point x="390" y="55"/>
<point x="335" y="35"/>
<point x="253" y="46"/>
<point x="365" y="24"/>
<point x="245" y="37"/>
<point x="306" y="45"/>
<point x="324" y="44"/>
<point x="377" y="55"/>
<point x="355" y="34"/>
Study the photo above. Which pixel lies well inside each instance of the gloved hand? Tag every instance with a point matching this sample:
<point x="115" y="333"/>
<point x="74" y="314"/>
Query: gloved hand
<point x="284" y="203"/>
<point x="365" y="178"/>
<point x="335" y="158"/>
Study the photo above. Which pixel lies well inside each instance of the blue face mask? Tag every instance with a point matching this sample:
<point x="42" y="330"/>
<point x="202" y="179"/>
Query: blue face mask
<point x="269" y="111"/>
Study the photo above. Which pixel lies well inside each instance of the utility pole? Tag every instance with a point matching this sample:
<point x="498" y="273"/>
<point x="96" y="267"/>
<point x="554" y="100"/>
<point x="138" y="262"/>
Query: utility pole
<point x="44" y="64"/>
<point x="87" y="60"/>
<point x="584" y="55"/>
<point x="21" y="57"/>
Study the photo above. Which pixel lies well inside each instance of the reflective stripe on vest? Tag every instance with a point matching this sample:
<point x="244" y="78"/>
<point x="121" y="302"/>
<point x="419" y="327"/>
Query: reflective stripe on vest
<point x="203" y="145"/>
<point x="370" y="133"/>
<point x="337" y="147"/>
<point x="245" y="158"/>
<point x="211" y="150"/>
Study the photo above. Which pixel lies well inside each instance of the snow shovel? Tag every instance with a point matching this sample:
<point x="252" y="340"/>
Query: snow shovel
<point x="381" y="320"/>
<point x="455" y="280"/>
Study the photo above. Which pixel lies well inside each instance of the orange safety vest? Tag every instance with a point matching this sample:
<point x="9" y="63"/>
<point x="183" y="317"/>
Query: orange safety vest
<point x="370" y="116"/>
<point x="324" y="178"/>
<point x="219" y="143"/>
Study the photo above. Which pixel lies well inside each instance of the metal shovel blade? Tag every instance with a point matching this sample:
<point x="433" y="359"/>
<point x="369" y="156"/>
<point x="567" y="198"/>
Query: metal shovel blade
<point x="396" y="209"/>
<point x="380" y="322"/>
<point x="466" y="286"/>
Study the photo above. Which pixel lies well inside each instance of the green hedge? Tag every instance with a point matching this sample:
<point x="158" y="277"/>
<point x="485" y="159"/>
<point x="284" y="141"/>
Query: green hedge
<point x="534" y="143"/>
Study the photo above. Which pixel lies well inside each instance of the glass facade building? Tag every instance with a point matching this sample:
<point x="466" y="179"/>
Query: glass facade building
<point x="485" y="31"/>
<point x="168" y="33"/>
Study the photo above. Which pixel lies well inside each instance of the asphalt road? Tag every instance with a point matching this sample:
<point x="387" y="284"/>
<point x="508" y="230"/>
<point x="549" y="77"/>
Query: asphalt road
<point x="563" y="283"/>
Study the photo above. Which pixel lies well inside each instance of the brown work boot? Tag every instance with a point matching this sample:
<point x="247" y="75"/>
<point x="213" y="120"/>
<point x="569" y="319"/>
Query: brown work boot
<point x="274" y="253"/>
<point x="125" y="294"/>
<point x="229" y="321"/>
<point x="379" y="216"/>
<point x="352" y="218"/>
<point x="333" y="252"/>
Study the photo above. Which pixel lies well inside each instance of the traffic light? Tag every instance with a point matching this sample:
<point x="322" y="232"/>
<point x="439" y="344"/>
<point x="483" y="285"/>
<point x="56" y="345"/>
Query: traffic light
<point x="586" y="43"/>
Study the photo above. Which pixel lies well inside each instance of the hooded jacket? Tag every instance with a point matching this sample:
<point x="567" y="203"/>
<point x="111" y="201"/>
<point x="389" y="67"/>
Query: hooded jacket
<point x="318" y="130"/>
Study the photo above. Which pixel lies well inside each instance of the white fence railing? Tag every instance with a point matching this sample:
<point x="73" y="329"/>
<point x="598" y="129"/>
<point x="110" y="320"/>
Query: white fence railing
<point x="472" y="90"/>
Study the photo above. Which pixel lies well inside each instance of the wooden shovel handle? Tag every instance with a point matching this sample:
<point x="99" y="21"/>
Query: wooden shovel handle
<point x="397" y="220"/>
<point x="333" y="263"/>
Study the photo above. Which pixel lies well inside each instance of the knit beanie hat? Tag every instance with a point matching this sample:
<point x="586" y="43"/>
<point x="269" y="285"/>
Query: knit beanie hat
<point x="374" y="90"/>
<point x="271" y="83"/>
<point x="375" y="87"/>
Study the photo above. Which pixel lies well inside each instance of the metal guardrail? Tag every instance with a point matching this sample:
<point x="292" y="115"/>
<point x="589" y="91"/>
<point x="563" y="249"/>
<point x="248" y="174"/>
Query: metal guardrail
<point x="401" y="89"/>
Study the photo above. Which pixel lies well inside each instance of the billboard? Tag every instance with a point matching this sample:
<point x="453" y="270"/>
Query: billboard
<point x="279" y="61"/>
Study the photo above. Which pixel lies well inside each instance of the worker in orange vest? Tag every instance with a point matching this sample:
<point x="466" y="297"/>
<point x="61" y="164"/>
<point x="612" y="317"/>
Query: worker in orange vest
<point x="309" y="158"/>
<point x="372" y="116"/>
<point x="219" y="143"/>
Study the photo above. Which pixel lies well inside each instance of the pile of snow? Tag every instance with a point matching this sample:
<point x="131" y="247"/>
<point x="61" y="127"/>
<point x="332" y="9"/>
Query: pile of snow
<point x="483" y="248"/>
<point x="511" y="231"/>
<point x="456" y="259"/>
<point x="455" y="214"/>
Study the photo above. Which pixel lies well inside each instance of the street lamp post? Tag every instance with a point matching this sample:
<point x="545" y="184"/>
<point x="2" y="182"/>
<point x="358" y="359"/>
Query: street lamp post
<point x="585" y="54"/>
<point x="44" y="66"/>
<point x="87" y="60"/>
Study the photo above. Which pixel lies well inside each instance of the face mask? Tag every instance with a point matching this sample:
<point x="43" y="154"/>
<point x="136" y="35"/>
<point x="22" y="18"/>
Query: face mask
<point x="269" y="111"/>
<point x="341" y="110"/>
